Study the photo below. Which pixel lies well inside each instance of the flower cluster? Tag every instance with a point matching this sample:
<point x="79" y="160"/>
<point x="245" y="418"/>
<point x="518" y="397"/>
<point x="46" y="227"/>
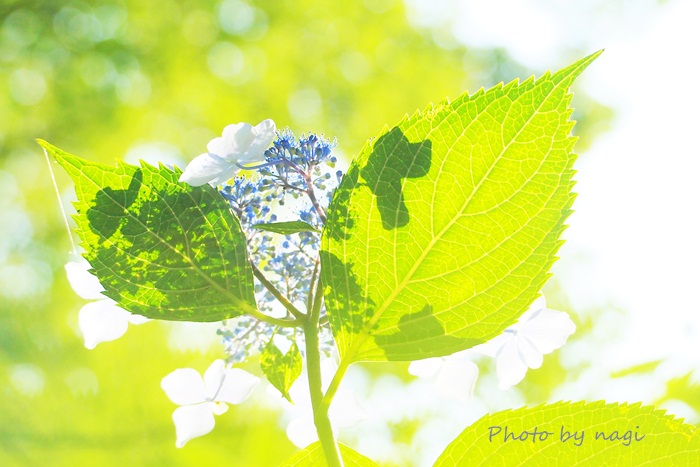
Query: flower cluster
<point x="294" y="183"/>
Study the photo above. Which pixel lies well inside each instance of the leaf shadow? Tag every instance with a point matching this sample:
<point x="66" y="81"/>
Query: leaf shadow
<point x="102" y="216"/>
<point x="424" y="333"/>
<point x="393" y="159"/>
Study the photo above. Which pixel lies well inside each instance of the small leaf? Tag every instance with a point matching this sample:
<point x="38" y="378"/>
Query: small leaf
<point x="281" y="370"/>
<point x="312" y="456"/>
<point x="444" y="228"/>
<point x="286" y="228"/>
<point x="578" y="434"/>
<point x="160" y="248"/>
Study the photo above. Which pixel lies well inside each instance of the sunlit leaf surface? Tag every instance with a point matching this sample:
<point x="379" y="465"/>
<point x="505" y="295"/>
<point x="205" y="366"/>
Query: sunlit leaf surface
<point x="281" y="369"/>
<point x="579" y="434"/>
<point x="445" y="227"/>
<point x="160" y="248"/>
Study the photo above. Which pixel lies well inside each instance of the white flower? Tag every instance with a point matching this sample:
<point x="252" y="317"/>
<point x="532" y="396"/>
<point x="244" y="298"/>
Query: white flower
<point x="239" y="144"/>
<point x="201" y="399"/>
<point x="345" y="410"/>
<point x="101" y="320"/>
<point x="539" y="331"/>
<point x="455" y="375"/>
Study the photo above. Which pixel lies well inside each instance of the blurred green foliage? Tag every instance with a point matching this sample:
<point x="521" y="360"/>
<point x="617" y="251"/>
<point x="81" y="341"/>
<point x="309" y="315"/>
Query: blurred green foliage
<point x="158" y="80"/>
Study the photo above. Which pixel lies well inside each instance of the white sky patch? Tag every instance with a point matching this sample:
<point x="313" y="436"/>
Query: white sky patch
<point x="192" y="337"/>
<point x="637" y="215"/>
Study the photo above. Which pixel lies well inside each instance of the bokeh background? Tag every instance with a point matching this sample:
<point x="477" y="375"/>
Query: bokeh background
<point x="156" y="80"/>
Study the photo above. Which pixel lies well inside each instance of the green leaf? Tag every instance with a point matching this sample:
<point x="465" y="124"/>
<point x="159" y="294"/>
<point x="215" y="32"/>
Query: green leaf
<point x="160" y="248"/>
<point x="312" y="456"/>
<point x="609" y="434"/>
<point x="281" y="370"/>
<point x="444" y="228"/>
<point x="286" y="228"/>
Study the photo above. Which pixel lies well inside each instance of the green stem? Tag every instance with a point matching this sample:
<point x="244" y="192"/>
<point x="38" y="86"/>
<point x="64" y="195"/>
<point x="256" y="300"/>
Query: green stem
<point x="313" y="366"/>
<point x="335" y="383"/>
<point x="257" y="314"/>
<point x="276" y="293"/>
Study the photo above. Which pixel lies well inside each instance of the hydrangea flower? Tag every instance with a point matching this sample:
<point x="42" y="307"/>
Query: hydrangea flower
<point x="101" y="320"/>
<point x="296" y="183"/>
<point x="241" y="143"/>
<point x="539" y="331"/>
<point x="201" y="399"/>
<point x="455" y="375"/>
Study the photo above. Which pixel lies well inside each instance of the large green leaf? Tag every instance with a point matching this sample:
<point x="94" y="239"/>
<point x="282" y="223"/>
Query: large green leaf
<point x="444" y="228"/>
<point x="578" y="434"/>
<point x="312" y="456"/>
<point x="160" y="248"/>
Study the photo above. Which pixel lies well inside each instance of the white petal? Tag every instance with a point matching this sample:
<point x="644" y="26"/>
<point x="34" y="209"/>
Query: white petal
<point x="492" y="347"/>
<point x="192" y="421"/>
<point x="535" y="308"/>
<point x="345" y="410"/>
<point x="265" y="133"/>
<point x="232" y="385"/>
<point x="184" y="386"/>
<point x="457" y="379"/>
<point x="509" y="366"/>
<point x="427" y="368"/>
<point x="102" y="321"/>
<point x="301" y="431"/>
<point x="549" y="330"/>
<point x="235" y="140"/>
<point x="225" y="175"/>
<point x="206" y="168"/>
<point x="86" y="285"/>
<point x="237" y="386"/>
<point x="137" y="319"/>
<point x="528" y="352"/>
<point x="214" y="378"/>
<point x="217" y="146"/>
<point x="539" y="304"/>
<point x="219" y="408"/>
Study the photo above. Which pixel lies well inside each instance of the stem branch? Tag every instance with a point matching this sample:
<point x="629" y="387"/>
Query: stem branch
<point x="257" y="314"/>
<point x="335" y="383"/>
<point x="277" y="294"/>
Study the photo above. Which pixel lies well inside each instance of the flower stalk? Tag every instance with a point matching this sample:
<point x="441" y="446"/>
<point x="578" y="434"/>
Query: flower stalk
<point x="313" y="365"/>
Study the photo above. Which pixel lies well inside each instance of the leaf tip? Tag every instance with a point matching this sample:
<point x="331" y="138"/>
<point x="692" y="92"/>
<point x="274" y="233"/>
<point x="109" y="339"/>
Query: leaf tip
<point x="572" y="71"/>
<point x="46" y="146"/>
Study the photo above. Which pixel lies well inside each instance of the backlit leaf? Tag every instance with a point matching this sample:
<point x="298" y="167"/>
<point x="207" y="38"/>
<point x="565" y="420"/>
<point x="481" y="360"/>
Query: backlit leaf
<point x="160" y="248"/>
<point x="285" y="228"/>
<point x="575" y="434"/>
<point x="281" y="369"/>
<point x="445" y="227"/>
